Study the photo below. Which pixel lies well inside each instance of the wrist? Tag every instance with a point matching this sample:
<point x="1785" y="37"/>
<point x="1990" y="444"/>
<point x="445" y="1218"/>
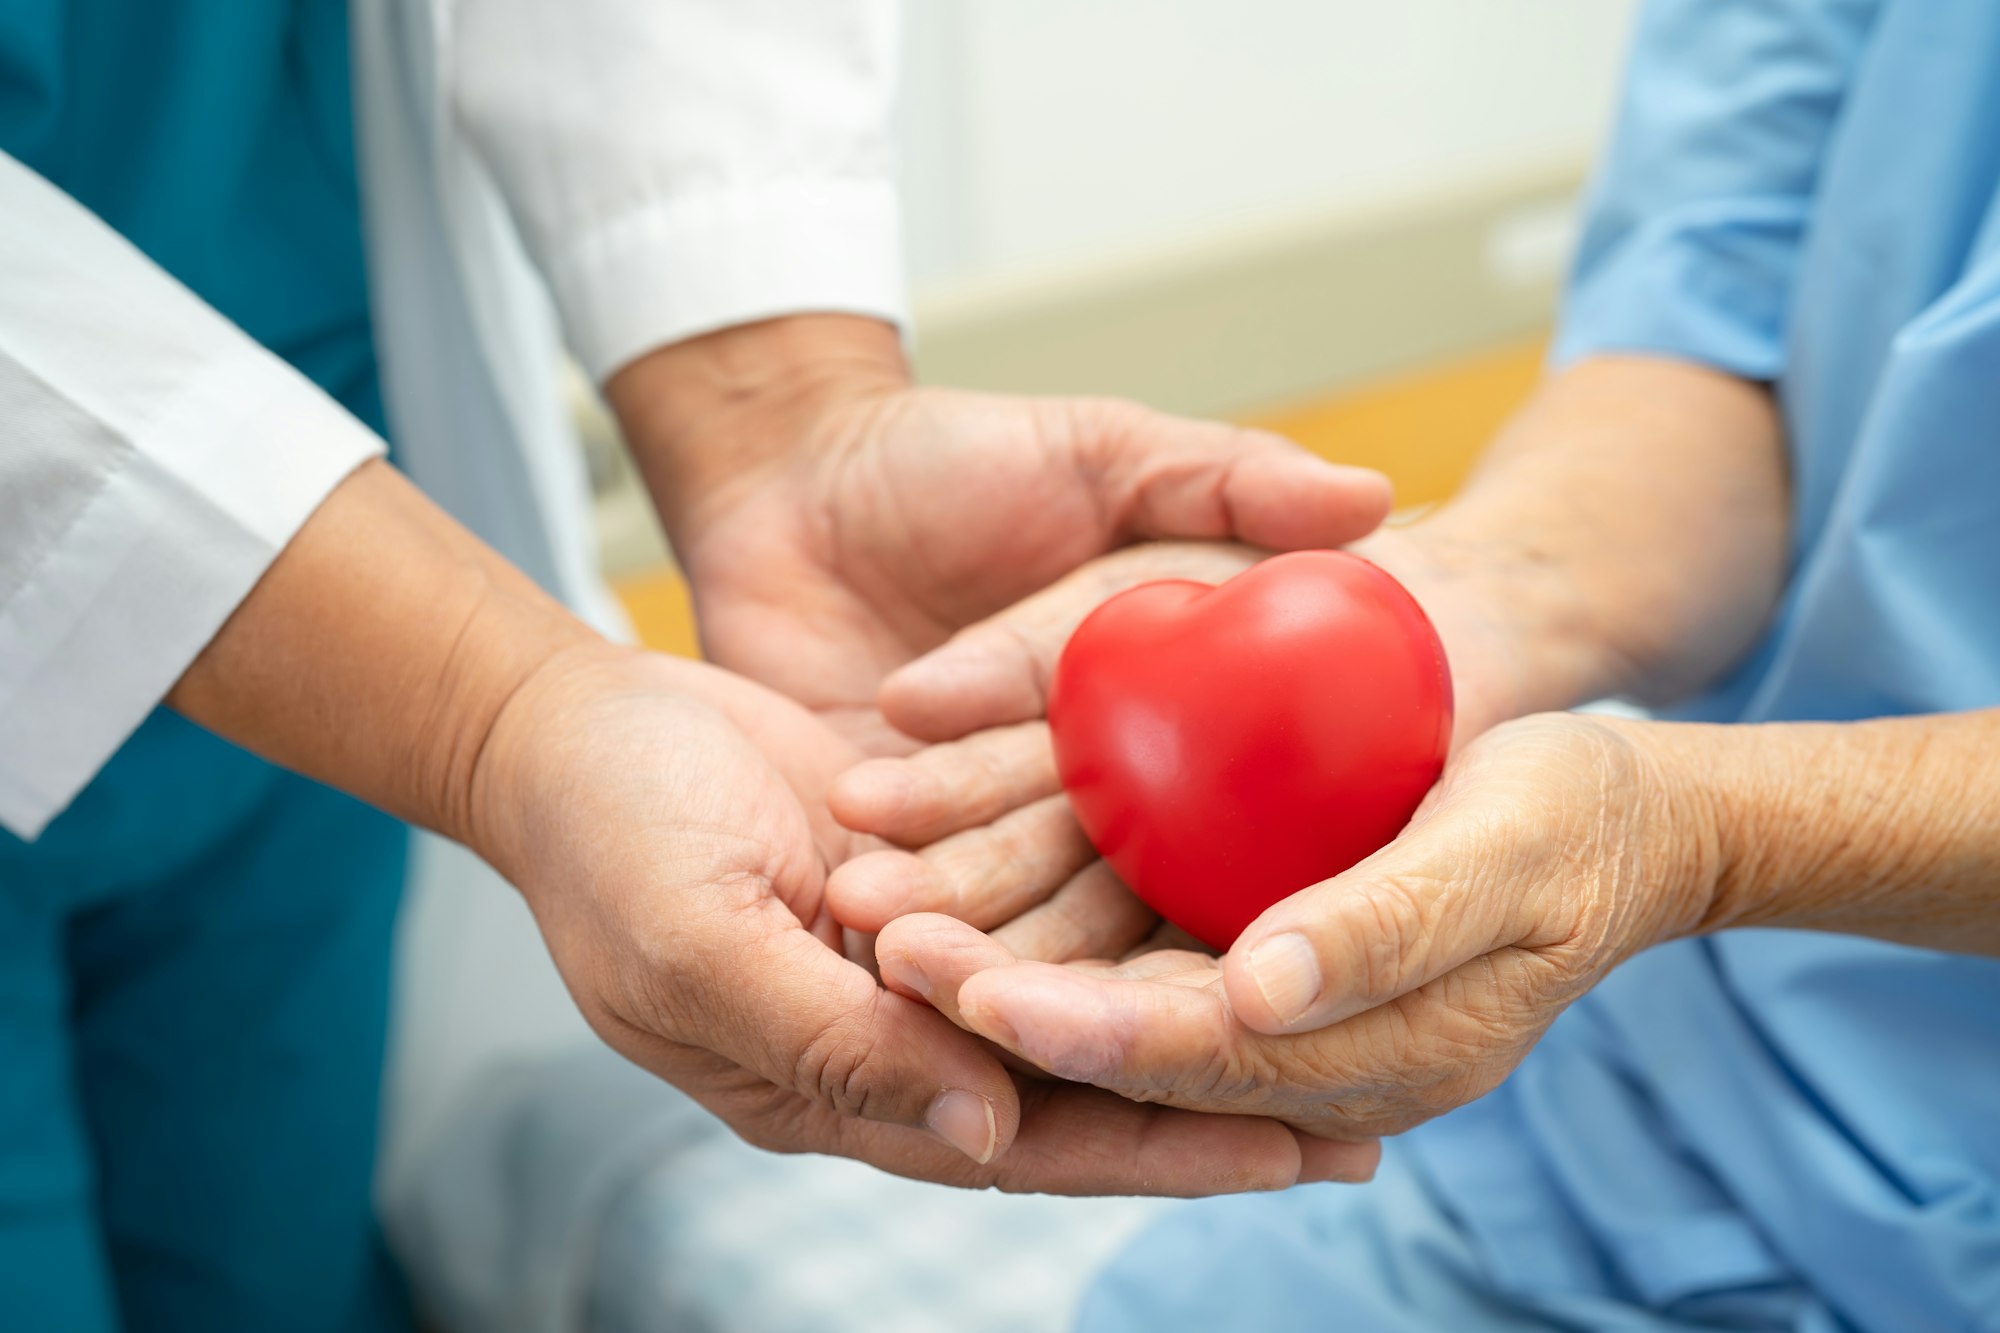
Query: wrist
<point x="519" y="757"/>
<point x="541" y="747"/>
<point x="1737" y="790"/>
<point x="1517" y="639"/>
<point x="375" y="652"/>
<point x="504" y="647"/>
<point x="1871" y="828"/>
<point x="700" y="413"/>
<point x="1630" y="523"/>
<point x="1686" y="865"/>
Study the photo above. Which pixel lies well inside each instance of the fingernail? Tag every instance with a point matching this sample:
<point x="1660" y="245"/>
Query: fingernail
<point x="965" y="1121"/>
<point x="1286" y="971"/>
<point x="900" y="971"/>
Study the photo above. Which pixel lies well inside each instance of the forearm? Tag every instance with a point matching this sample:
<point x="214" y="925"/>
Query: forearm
<point x="1887" y="828"/>
<point x="1627" y="531"/>
<point x="702" y="417"/>
<point x="376" y="651"/>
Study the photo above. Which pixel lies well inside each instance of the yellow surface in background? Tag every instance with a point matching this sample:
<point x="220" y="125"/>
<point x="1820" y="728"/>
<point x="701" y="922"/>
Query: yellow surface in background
<point x="661" y="610"/>
<point x="1424" y="429"/>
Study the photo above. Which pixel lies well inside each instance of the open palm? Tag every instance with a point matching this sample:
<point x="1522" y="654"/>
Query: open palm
<point x="907" y="515"/>
<point x="665" y="822"/>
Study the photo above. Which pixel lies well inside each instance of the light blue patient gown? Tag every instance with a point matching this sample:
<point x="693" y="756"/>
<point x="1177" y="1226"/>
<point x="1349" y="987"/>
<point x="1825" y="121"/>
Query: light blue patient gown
<point x="1764" y="1129"/>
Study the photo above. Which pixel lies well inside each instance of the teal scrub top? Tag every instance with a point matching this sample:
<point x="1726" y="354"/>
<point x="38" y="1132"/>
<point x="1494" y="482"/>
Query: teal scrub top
<point x="1805" y="192"/>
<point x="217" y="136"/>
<point x="197" y="952"/>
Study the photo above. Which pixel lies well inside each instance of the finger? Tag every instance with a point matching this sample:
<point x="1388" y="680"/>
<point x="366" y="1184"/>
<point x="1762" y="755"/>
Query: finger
<point x="1328" y="1159"/>
<point x="1415" y="911"/>
<point x="770" y="997"/>
<point x="1095" y="1026"/>
<point x="1093" y="915"/>
<point x="1167" y="476"/>
<point x="944" y="789"/>
<point x="928" y="957"/>
<point x="1142" y="1038"/>
<point x="868" y="892"/>
<point x="1154" y="1029"/>
<point x="1084" y="1141"/>
<point x="997" y="671"/>
<point x="984" y="876"/>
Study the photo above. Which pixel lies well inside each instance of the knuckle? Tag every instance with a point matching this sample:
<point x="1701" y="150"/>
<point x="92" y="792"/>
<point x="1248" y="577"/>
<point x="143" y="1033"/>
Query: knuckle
<point x="836" y="1067"/>
<point x="1293" y="1076"/>
<point x="1390" y="935"/>
<point x="1216" y="1073"/>
<point x="1221" y="1081"/>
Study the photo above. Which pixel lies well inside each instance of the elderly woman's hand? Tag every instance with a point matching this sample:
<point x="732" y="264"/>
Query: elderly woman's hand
<point x="1554" y="847"/>
<point x="987" y="835"/>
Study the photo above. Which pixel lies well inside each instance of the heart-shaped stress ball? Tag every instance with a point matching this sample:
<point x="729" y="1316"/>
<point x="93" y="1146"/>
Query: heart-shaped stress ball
<point x="1226" y="746"/>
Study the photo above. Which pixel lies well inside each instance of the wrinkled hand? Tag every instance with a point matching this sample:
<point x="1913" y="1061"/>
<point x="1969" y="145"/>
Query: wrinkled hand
<point x="832" y="536"/>
<point x="677" y="873"/>
<point x="1554" y="848"/>
<point x="988" y="836"/>
<point x="996" y="672"/>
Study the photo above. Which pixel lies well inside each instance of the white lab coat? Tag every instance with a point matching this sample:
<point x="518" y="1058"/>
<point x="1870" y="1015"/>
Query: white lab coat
<point x="613" y="174"/>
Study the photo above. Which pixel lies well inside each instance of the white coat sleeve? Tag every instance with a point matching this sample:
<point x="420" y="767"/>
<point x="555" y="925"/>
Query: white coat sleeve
<point x="153" y="462"/>
<point x="678" y="166"/>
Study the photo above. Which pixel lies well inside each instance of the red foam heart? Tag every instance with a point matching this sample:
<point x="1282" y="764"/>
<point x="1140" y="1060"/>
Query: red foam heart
<point x="1227" y="746"/>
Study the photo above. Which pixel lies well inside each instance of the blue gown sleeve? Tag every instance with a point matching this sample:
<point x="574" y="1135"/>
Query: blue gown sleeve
<point x="1702" y="203"/>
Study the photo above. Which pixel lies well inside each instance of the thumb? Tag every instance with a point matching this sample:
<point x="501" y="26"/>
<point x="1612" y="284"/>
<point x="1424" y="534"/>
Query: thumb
<point x="1431" y="901"/>
<point x="1163" y="476"/>
<point x="797" y="1013"/>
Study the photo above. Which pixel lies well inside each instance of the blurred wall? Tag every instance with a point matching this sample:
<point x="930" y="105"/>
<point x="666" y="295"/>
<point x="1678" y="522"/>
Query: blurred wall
<point x="1227" y="206"/>
<point x="1047" y="133"/>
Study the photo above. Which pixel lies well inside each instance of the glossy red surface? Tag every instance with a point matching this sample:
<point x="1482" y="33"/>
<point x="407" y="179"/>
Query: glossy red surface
<point x="1227" y="746"/>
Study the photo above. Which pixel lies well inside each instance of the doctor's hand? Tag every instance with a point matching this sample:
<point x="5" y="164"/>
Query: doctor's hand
<point x="666" y="822"/>
<point x="1554" y="848"/>
<point x="836" y="522"/>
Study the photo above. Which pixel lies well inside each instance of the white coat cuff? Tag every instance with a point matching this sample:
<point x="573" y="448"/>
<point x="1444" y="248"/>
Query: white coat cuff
<point x="171" y="541"/>
<point x="672" y="269"/>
